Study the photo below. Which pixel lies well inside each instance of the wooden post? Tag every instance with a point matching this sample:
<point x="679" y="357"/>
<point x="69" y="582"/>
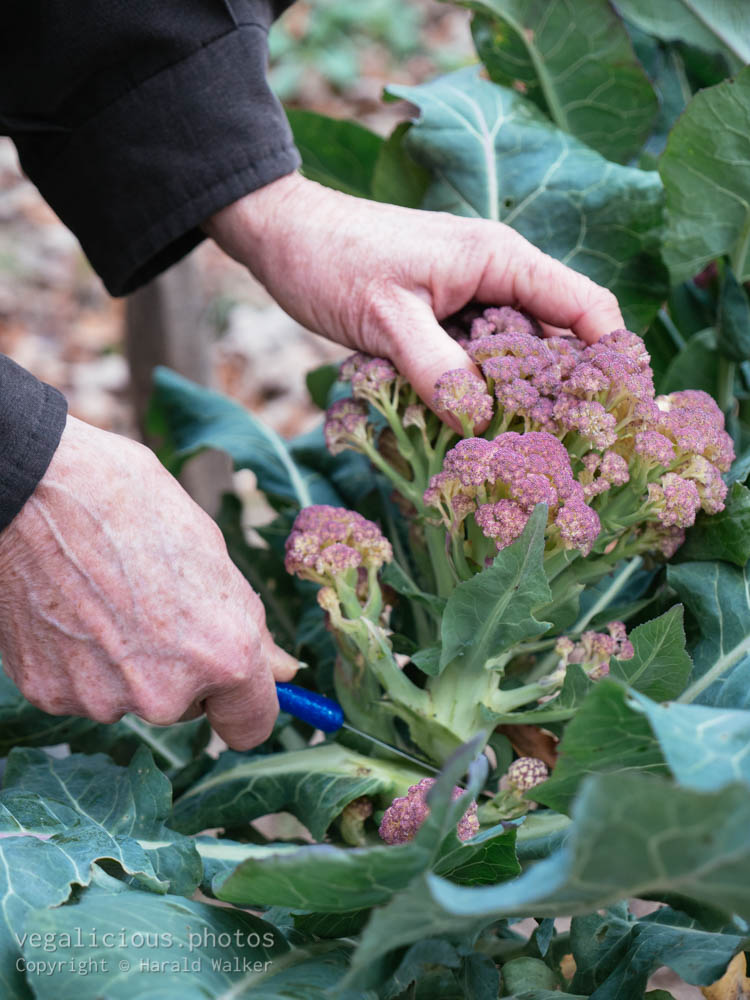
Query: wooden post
<point x="164" y="325"/>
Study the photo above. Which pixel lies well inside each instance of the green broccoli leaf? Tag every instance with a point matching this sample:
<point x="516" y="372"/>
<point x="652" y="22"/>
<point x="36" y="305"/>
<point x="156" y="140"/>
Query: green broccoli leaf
<point x="493" y="610"/>
<point x="704" y="747"/>
<point x="59" y="817"/>
<point x="717" y="595"/>
<point x="695" y="367"/>
<point x="324" y="879"/>
<point x="313" y="784"/>
<point x="721" y="26"/>
<point x="192" y="418"/>
<point x="127" y="806"/>
<point x="616" y="952"/>
<point x="605" y="736"/>
<point x="606" y="102"/>
<point x="172" y="947"/>
<point x="340" y="154"/>
<point x="706" y="173"/>
<point x="633" y="834"/>
<point x="493" y="155"/>
<point x="397" y="178"/>
<point x="733" y="332"/>
<point x="661" y="665"/>
<point x="724" y="536"/>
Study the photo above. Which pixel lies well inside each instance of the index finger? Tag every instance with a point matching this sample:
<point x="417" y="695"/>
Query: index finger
<point x="557" y="295"/>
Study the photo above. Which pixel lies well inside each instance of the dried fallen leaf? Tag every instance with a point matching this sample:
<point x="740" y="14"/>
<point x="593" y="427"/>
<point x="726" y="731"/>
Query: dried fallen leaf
<point x="532" y="741"/>
<point x="568" y="966"/>
<point x="733" y="985"/>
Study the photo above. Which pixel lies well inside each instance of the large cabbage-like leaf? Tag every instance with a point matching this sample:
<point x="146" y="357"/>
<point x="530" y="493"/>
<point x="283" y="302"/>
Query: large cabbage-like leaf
<point x="717" y="595"/>
<point x="706" y="173"/>
<point x="716" y="26"/>
<point x="725" y="535"/>
<point x="58" y="817"/>
<point x="606" y="736"/>
<point x="632" y="835"/>
<point x="191" y="417"/>
<point x="576" y="63"/>
<point x="493" y="154"/>
<point x="127" y="804"/>
<point x="314" y="784"/>
<point x="165" y="946"/>
<point x="616" y="952"/>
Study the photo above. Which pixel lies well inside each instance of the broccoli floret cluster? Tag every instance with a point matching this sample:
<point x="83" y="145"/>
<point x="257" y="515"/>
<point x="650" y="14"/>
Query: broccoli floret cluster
<point x="501" y="481"/>
<point x="510" y="801"/>
<point x="594" y="650"/>
<point x="328" y="543"/>
<point x="577" y="427"/>
<point x="405" y="815"/>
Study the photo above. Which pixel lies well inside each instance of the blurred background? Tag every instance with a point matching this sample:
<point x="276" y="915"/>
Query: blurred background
<point x="55" y="317"/>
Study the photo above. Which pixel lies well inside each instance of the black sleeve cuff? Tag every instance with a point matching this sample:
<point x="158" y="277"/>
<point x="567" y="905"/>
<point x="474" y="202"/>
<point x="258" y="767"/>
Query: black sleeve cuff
<point x="135" y="181"/>
<point x="32" y="419"/>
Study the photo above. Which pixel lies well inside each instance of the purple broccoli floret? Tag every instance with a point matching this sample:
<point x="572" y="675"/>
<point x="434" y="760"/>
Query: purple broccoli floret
<point x="464" y="395"/>
<point x="406" y="814"/>
<point x="327" y="542"/>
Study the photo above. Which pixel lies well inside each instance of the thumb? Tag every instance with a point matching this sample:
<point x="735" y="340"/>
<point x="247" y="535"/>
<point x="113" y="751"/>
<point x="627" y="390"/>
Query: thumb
<point x="422" y="351"/>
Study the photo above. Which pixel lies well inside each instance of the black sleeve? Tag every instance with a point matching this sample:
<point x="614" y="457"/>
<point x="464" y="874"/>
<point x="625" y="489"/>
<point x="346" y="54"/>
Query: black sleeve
<point x="138" y="119"/>
<point x="32" y="419"/>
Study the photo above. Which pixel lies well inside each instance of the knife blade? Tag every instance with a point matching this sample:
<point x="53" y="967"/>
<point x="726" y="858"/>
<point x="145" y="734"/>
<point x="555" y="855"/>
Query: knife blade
<point x="326" y="714"/>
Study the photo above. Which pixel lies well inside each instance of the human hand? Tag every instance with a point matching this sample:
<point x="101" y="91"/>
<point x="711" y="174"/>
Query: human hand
<point x="378" y="277"/>
<point x="117" y="595"/>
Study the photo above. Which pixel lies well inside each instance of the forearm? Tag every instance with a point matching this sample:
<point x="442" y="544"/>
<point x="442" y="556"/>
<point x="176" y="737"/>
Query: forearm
<point x="137" y="121"/>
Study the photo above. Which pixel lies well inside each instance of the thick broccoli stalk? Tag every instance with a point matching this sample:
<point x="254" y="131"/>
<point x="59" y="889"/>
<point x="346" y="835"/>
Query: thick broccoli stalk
<point x="621" y="472"/>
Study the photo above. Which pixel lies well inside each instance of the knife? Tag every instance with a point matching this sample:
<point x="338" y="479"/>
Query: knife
<point x="326" y="714"/>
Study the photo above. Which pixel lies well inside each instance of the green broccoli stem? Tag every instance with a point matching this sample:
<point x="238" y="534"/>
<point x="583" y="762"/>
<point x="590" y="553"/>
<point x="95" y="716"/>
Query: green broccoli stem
<point x="503" y="702"/>
<point x="726" y="377"/>
<point x="405" y="446"/>
<point x="408" y="489"/>
<point x="459" y="696"/>
<point x="620" y="580"/>
<point x="376" y="651"/>
<point x="444" y="437"/>
<point x="445" y="578"/>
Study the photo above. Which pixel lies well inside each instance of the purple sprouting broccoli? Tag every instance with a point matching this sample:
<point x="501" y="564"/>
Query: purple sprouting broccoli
<point x="674" y="500"/>
<point x="464" y="395"/>
<point x="654" y="449"/>
<point x="406" y="814"/>
<point x="346" y="426"/>
<point x="501" y="481"/>
<point x="330" y="544"/>
<point x="594" y="650"/>
<point x="372" y="378"/>
<point x="523" y="774"/>
<point x="520" y="368"/>
<point x="601" y="472"/>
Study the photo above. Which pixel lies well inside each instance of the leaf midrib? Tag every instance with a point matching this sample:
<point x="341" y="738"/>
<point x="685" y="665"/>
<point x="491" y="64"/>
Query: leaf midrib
<point x="557" y="112"/>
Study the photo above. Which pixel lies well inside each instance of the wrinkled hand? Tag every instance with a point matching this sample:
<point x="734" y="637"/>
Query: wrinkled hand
<point x="378" y="277"/>
<point x="117" y="595"/>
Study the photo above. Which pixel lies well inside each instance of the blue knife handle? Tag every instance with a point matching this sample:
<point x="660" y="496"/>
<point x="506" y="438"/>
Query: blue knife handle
<point x="315" y="709"/>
